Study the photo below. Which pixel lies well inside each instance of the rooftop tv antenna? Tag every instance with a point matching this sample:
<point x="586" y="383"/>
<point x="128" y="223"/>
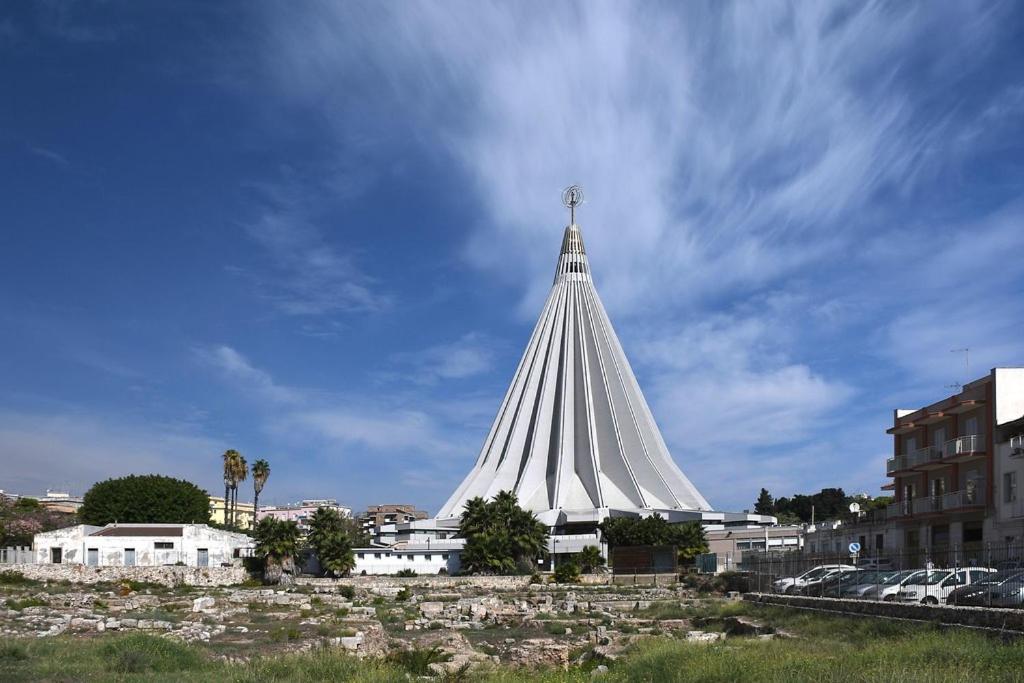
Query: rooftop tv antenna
<point x="572" y="197"/>
<point x="967" y="362"/>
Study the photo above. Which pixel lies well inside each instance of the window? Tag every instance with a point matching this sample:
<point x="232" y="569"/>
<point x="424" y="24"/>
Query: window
<point x="879" y="541"/>
<point x="360" y="555"/>
<point x="1009" y="487"/>
<point x="164" y="545"/>
<point x="971" y="426"/>
<point x="428" y="558"/>
<point x="376" y="556"/>
<point x="444" y="557"/>
<point x="129" y="557"/>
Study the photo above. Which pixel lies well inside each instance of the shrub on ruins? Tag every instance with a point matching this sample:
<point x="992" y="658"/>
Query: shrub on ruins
<point x="277" y="541"/>
<point x="330" y="540"/>
<point x="567" y="572"/>
<point x="150" y="498"/>
<point x="688" y="537"/>
<point x="589" y="559"/>
<point x="501" y="537"/>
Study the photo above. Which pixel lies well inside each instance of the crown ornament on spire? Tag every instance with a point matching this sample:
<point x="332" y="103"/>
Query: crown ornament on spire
<point x="572" y="197"/>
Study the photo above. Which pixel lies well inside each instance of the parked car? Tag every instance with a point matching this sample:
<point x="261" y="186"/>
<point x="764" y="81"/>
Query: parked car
<point x="1010" y="594"/>
<point x="875" y="563"/>
<point x="887" y="590"/>
<point x="825" y="583"/>
<point x="789" y="584"/>
<point x="935" y="586"/>
<point x="872" y="579"/>
<point x="979" y="593"/>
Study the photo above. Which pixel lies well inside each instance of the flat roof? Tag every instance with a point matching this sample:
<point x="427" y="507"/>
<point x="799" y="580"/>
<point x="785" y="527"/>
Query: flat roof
<point x="139" y="530"/>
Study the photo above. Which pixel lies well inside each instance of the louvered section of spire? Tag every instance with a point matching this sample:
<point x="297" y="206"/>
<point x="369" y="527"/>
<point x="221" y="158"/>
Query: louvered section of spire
<point x="572" y="260"/>
<point x="574" y="431"/>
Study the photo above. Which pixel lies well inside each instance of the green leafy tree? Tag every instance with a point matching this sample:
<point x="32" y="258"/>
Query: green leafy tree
<point x="22" y="518"/>
<point x="330" y="541"/>
<point x="277" y="541"/>
<point x="149" y="498"/>
<point x="501" y="537"/>
<point x="764" y="505"/>
<point x="589" y="559"/>
<point x="688" y="537"/>
<point x="876" y="503"/>
<point x="830" y="503"/>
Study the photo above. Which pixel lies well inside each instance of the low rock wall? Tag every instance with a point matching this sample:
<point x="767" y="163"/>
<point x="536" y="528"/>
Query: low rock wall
<point x="167" y="576"/>
<point x="438" y="582"/>
<point x="985" y="617"/>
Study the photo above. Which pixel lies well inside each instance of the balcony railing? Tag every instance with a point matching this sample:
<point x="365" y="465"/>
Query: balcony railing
<point x="972" y="496"/>
<point x="925" y="456"/>
<point x="900" y="508"/>
<point x="964" y="445"/>
<point x="928" y="504"/>
<point x="897" y="464"/>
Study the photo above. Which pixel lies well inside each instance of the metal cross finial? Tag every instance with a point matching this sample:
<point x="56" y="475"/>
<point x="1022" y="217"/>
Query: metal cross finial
<point x="572" y="197"/>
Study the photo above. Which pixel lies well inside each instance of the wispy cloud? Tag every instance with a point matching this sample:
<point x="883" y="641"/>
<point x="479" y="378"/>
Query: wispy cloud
<point x="244" y="375"/>
<point x="740" y="162"/>
<point x="469" y="356"/>
<point x="50" y="155"/>
<point x="73" y="449"/>
<point x="309" y="274"/>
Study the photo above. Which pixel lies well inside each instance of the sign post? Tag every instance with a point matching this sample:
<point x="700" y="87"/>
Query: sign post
<point x="854" y="552"/>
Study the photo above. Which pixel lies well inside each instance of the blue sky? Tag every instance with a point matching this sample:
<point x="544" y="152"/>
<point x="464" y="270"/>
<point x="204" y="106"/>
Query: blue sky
<point x="320" y="232"/>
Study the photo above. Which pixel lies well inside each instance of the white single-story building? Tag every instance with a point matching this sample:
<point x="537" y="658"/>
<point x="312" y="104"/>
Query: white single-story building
<point x="143" y="545"/>
<point x="436" y="557"/>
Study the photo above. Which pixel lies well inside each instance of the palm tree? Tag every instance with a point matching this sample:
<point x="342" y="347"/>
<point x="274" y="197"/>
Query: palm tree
<point x="277" y="542"/>
<point x="241" y="473"/>
<point x="590" y="559"/>
<point x="260" y="474"/>
<point x="230" y="458"/>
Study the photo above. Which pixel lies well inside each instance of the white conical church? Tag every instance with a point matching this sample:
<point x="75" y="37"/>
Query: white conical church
<point x="574" y="438"/>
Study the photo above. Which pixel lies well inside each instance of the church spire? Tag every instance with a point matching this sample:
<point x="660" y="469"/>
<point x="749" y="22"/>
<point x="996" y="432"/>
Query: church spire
<point x="574" y="436"/>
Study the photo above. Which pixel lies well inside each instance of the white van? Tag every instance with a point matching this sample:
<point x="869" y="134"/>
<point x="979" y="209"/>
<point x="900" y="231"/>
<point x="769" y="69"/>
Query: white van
<point x="935" y="586"/>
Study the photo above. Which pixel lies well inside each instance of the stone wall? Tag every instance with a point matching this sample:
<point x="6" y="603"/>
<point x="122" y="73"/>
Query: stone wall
<point x="167" y="576"/>
<point x="985" y="617"/>
<point x="439" y="582"/>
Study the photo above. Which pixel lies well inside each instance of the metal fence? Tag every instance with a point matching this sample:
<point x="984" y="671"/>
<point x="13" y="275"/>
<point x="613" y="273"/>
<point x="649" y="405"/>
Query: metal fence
<point x="981" y="574"/>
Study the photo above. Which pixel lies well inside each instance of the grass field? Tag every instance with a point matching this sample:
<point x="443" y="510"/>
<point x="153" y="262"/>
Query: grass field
<point x="825" y="649"/>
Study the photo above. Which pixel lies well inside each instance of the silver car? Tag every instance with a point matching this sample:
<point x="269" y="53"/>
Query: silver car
<point x="888" y="590"/>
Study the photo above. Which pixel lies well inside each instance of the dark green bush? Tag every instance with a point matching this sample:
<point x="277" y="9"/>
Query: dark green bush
<point x="567" y="572"/>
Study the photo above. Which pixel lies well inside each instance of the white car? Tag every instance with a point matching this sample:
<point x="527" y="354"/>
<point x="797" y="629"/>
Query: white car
<point x="887" y="590"/>
<point x="935" y="586"/>
<point x="790" y="584"/>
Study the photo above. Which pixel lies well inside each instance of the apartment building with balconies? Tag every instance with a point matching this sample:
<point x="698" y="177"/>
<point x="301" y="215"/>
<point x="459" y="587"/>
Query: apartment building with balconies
<point x="377" y="516"/>
<point x="951" y="468"/>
